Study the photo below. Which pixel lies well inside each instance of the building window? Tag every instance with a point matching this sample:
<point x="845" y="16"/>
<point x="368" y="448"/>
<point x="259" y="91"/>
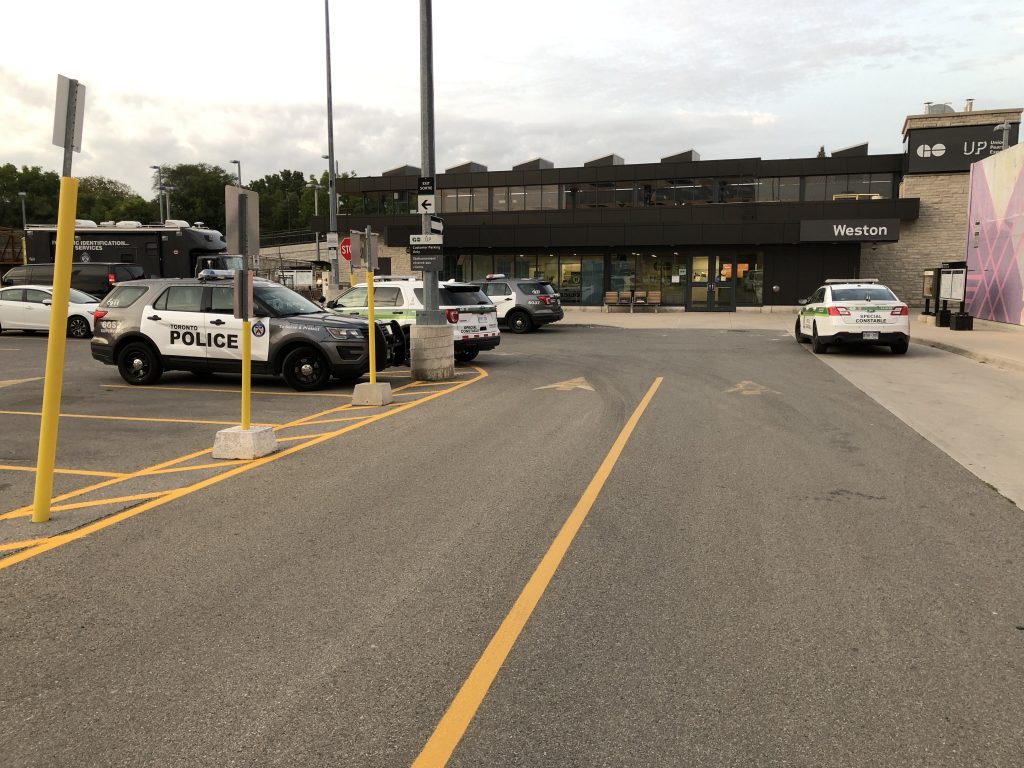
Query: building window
<point x="499" y="199"/>
<point x="480" y="200"/>
<point x="882" y="184"/>
<point x="517" y="198"/>
<point x="737" y="190"/>
<point x="549" y="197"/>
<point x="596" y="195"/>
<point x="533" y="198"/>
<point x="814" y="188"/>
<point x="789" y="189"/>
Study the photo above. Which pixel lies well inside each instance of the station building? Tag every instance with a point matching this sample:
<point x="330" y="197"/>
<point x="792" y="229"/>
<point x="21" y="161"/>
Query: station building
<point x="707" y="235"/>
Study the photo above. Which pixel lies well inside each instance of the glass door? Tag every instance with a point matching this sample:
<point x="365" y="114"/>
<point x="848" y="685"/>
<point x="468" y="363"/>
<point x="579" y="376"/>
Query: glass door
<point x="712" y="284"/>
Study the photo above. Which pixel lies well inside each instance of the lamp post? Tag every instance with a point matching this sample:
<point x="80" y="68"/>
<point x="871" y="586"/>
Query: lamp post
<point x="238" y="176"/>
<point x="24" y="220"/>
<point x="167" y="192"/>
<point x="312" y="184"/>
<point x="159" y="189"/>
<point x="1005" y="128"/>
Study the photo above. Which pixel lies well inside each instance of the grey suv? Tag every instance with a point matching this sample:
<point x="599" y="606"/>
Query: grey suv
<point x="523" y="303"/>
<point x="187" y="324"/>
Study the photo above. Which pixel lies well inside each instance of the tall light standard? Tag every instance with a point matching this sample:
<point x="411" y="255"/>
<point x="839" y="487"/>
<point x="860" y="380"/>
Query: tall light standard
<point x="312" y="184"/>
<point x="167" y="191"/>
<point x="24" y="220"/>
<point x="238" y="176"/>
<point x="332" y="224"/>
<point x="159" y="189"/>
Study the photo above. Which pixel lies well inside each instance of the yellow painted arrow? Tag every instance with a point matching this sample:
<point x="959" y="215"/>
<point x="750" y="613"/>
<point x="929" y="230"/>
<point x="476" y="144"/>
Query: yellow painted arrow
<point x="565" y="386"/>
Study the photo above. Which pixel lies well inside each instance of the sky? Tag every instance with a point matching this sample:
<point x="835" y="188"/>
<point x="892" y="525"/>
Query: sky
<point x="565" y="80"/>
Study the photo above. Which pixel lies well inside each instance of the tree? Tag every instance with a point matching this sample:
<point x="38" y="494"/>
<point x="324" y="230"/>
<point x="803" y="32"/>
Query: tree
<point x="198" y="192"/>
<point x="103" y="199"/>
<point x="42" y="190"/>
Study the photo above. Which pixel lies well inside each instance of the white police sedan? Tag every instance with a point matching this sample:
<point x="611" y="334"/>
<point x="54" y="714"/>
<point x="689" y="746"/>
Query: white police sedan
<point x="27" y="308"/>
<point x="853" y="312"/>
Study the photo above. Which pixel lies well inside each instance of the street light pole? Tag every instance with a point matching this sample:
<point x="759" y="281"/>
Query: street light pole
<point x="238" y="176"/>
<point x="316" y="209"/>
<point x="332" y="224"/>
<point x="167" y="191"/>
<point x="159" y="190"/>
<point x="24" y="220"/>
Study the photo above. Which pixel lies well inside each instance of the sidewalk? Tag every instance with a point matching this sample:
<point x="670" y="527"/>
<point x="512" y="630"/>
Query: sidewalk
<point x="997" y="344"/>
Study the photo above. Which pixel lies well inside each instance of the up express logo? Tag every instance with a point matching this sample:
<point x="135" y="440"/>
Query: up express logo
<point x="931" y="150"/>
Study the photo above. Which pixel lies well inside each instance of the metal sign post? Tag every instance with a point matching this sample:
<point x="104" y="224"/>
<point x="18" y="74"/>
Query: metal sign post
<point x="67" y="133"/>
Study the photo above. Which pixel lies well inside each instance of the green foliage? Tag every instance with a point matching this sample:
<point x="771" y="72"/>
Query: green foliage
<point x="196" y="193"/>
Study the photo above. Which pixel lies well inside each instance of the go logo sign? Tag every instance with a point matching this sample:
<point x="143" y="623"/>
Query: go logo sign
<point x="931" y="150"/>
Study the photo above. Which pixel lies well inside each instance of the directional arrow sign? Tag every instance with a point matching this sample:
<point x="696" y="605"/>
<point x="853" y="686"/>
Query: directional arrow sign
<point x="750" y="388"/>
<point x="425" y="203"/>
<point x="565" y="386"/>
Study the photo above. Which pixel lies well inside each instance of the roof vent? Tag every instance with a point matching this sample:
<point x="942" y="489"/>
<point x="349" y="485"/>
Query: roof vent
<point x="405" y="170"/>
<point x="939" y="109"/>
<point x="84" y="223"/>
<point x="128" y="224"/>
<point x="606" y="160"/>
<point x="969" y="105"/>
<point x="176" y="223"/>
<point x="538" y="164"/>
<point x="687" y="156"/>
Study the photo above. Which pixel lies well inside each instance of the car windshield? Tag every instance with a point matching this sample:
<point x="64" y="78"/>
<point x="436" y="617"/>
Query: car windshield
<point x="283" y="302"/>
<point x="81" y="297"/>
<point x="867" y="293"/>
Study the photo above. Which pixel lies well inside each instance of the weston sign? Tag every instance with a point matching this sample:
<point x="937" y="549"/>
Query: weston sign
<point x="944" y="150"/>
<point x="849" y="230"/>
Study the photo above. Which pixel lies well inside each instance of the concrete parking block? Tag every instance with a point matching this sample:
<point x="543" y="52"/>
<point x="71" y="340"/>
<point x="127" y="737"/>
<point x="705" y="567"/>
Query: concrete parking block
<point x="238" y="443"/>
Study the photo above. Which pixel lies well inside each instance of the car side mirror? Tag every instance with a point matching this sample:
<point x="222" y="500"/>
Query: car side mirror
<point x="331" y="304"/>
<point x="801" y="302"/>
<point x="47" y="302"/>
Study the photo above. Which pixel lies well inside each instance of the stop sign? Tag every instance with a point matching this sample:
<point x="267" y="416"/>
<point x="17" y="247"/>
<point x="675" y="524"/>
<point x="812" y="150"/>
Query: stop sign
<point x="346" y="249"/>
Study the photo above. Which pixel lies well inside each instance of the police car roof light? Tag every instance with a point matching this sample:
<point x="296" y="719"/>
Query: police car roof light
<point x="496" y="276"/>
<point x="216" y="274"/>
<point x="855" y="280"/>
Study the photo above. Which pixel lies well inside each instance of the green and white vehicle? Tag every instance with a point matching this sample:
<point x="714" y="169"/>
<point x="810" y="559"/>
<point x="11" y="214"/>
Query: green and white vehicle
<point x="471" y="315"/>
<point x="853" y="312"/>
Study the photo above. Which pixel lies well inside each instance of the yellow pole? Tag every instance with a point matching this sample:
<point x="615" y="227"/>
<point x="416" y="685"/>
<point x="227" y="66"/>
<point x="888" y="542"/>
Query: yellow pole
<point x="246" y="371"/>
<point x="54" y="380"/>
<point x="373" y="327"/>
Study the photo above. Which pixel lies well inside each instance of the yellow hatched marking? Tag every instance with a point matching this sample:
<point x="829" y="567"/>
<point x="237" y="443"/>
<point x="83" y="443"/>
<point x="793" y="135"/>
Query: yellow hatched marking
<point x="84" y="472"/>
<point x="129" y="418"/>
<point x="160" y="388"/>
<point x="98" y="525"/>
<point x="87" y="504"/>
<point x="21" y="544"/>
<point x="293" y="438"/>
<point x="191" y="467"/>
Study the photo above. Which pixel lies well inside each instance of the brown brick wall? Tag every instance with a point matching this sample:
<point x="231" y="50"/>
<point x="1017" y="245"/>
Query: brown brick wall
<point x="938" y="235"/>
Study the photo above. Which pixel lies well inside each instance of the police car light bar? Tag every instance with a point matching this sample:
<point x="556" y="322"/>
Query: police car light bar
<point x="216" y="274"/>
<point x="854" y="280"/>
<point x="496" y="276"/>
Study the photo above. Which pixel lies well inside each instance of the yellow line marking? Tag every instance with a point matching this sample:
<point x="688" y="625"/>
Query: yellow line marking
<point x="293" y="438"/>
<point x="162" y="388"/>
<point x="450" y="729"/>
<point x="190" y="467"/>
<point x="93" y="503"/>
<point x="85" y="472"/>
<point x="325" y="421"/>
<point x="12" y="382"/>
<point x="22" y="544"/>
<point x="128" y="418"/>
<point x="60" y="540"/>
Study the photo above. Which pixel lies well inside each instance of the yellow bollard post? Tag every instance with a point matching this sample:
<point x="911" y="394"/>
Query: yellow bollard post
<point x="372" y="325"/>
<point x="55" y="344"/>
<point x="246" y="372"/>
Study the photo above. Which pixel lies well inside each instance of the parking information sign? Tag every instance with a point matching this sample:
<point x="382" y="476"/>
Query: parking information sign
<point x="427" y="252"/>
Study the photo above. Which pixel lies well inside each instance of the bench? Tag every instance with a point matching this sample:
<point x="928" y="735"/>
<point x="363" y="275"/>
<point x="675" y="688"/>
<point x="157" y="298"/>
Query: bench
<point x="632" y="299"/>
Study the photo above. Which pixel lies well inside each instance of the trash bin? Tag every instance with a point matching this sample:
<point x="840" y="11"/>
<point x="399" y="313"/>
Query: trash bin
<point x="942" y="317"/>
<point x="961" y="321"/>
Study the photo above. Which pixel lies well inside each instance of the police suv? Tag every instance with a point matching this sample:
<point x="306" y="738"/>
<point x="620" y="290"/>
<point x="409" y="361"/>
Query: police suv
<point x="853" y="312"/>
<point x="187" y="324"/>
<point x="471" y="315"/>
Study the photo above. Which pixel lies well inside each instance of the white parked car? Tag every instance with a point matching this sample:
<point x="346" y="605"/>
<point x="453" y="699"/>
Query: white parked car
<point x="27" y="308"/>
<point x="472" y="316"/>
<point x="853" y="312"/>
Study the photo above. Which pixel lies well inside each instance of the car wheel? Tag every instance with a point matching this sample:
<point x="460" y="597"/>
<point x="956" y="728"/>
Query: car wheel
<point x="466" y="355"/>
<point x="900" y="347"/>
<point x="799" y="336"/>
<point x="78" y="327"/>
<point x="305" y="369"/>
<point x="817" y="345"/>
<point x="519" y="322"/>
<point x="139" y="363"/>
